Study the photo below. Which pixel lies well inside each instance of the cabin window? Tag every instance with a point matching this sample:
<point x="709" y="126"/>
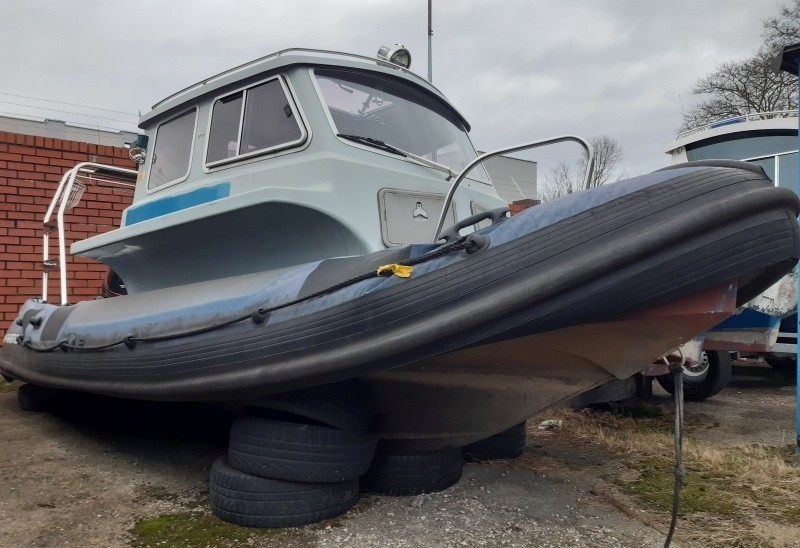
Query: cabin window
<point x="224" y="134"/>
<point x="401" y="115"/>
<point x="259" y="119"/>
<point x="173" y="150"/>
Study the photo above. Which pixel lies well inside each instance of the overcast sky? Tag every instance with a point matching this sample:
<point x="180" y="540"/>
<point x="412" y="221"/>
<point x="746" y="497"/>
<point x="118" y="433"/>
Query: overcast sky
<point x="517" y="69"/>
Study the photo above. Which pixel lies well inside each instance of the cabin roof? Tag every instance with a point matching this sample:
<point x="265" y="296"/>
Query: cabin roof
<point x="282" y="59"/>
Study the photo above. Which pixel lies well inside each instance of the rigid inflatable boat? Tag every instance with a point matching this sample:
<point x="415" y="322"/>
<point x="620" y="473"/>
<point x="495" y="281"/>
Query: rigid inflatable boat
<point x="260" y="260"/>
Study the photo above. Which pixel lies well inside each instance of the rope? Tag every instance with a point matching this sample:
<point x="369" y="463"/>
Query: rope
<point x="260" y="315"/>
<point x="680" y="471"/>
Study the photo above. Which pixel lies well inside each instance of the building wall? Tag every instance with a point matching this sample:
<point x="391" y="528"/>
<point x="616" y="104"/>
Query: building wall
<point x="30" y="170"/>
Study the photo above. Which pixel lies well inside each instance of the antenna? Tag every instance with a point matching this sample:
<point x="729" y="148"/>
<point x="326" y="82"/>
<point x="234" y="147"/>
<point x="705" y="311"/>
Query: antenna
<point x="430" y="40"/>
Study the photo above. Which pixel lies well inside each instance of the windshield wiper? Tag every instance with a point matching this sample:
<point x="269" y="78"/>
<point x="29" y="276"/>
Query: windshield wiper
<point x="377" y="143"/>
<point x="381" y="145"/>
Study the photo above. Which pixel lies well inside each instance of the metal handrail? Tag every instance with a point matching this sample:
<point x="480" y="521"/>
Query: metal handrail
<point x="754" y="116"/>
<point x="60" y="199"/>
<point x="533" y="144"/>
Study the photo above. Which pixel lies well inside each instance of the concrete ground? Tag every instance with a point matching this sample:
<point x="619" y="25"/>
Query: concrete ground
<point x="85" y="478"/>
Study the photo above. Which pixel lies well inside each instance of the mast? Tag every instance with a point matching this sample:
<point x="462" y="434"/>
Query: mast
<point x="430" y="40"/>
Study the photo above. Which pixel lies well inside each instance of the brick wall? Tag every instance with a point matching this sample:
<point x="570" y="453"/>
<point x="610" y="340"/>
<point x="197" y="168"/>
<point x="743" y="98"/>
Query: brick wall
<point x="30" y="170"/>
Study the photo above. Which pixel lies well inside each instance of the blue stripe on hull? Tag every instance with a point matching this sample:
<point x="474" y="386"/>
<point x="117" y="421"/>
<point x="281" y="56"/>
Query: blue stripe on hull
<point x="749" y="319"/>
<point x="171" y="204"/>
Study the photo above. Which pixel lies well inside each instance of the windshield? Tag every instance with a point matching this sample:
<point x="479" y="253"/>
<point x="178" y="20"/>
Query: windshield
<point x="398" y="114"/>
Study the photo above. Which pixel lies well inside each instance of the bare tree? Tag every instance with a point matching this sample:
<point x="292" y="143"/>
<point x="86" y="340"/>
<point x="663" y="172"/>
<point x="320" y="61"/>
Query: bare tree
<point x="750" y="85"/>
<point x="565" y="179"/>
<point x="607" y="156"/>
<point x="742" y="87"/>
<point x="784" y="29"/>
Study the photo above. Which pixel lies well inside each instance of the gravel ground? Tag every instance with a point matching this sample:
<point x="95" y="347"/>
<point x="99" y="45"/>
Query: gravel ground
<point x="85" y="477"/>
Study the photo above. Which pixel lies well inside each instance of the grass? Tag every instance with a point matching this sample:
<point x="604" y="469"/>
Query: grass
<point x="730" y="494"/>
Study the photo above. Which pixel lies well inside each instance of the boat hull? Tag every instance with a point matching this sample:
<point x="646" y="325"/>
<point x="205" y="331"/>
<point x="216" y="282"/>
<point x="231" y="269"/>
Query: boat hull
<point x="592" y="258"/>
<point x="465" y="396"/>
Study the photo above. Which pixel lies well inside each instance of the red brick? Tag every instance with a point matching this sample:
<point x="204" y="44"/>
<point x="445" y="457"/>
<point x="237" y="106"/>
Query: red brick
<point x="35" y="159"/>
<point x="74" y="156"/>
<point x="19" y="265"/>
<point x="45" y="153"/>
<point x="31" y="175"/>
<point x="67" y="164"/>
<point x="33" y="208"/>
<point x="10" y="157"/>
<point x="49" y="169"/>
<point x="33" y="192"/>
<point x="16" y="149"/>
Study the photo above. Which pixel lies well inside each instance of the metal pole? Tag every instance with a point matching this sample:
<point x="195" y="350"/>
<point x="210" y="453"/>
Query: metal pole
<point x="789" y="61"/>
<point x="797" y="342"/>
<point x="430" y="41"/>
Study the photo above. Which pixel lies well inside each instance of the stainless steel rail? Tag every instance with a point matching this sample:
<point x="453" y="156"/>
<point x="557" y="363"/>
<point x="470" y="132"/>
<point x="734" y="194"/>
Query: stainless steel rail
<point x="65" y="199"/>
<point x="533" y="144"/>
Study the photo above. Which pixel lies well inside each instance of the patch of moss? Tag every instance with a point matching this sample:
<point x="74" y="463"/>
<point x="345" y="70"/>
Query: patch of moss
<point x="189" y="530"/>
<point x="791" y="515"/>
<point x="8" y="386"/>
<point x="699" y="493"/>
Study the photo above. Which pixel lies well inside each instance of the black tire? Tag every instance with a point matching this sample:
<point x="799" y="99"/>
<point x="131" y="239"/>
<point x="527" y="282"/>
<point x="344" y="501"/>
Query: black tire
<point x="508" y="444"/>
<point x="36" y="399"/>
<point x="699" y="387"/>
<point x="401" y="474"/>
<point x="343" y="405"/>
<point x="252" y="501"/>
<point x="298" y="452"/>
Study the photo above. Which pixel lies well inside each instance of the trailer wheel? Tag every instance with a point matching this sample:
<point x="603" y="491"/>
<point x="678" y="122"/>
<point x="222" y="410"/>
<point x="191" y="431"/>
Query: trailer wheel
<point x="703" y="380"/>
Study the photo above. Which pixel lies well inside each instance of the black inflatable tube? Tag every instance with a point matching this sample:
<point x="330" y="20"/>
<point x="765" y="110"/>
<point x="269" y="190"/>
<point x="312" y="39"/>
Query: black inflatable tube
<point x="530" y="285"/>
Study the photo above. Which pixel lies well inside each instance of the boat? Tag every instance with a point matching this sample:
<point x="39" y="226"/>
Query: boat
<point x="761" y="328"/>
<point x="314" y="217"/>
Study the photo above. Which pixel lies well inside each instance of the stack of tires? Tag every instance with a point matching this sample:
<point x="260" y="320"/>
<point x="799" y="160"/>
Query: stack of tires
<point x="302" y="457"/>
<point x="295" y="460"/>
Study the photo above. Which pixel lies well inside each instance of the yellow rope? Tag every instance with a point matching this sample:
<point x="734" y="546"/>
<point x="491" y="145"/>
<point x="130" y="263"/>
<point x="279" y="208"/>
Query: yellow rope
<point x="396" y="269"/>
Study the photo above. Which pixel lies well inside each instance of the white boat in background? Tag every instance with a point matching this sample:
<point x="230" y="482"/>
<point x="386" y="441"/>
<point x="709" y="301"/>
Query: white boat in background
<point x="765" y="326"/>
